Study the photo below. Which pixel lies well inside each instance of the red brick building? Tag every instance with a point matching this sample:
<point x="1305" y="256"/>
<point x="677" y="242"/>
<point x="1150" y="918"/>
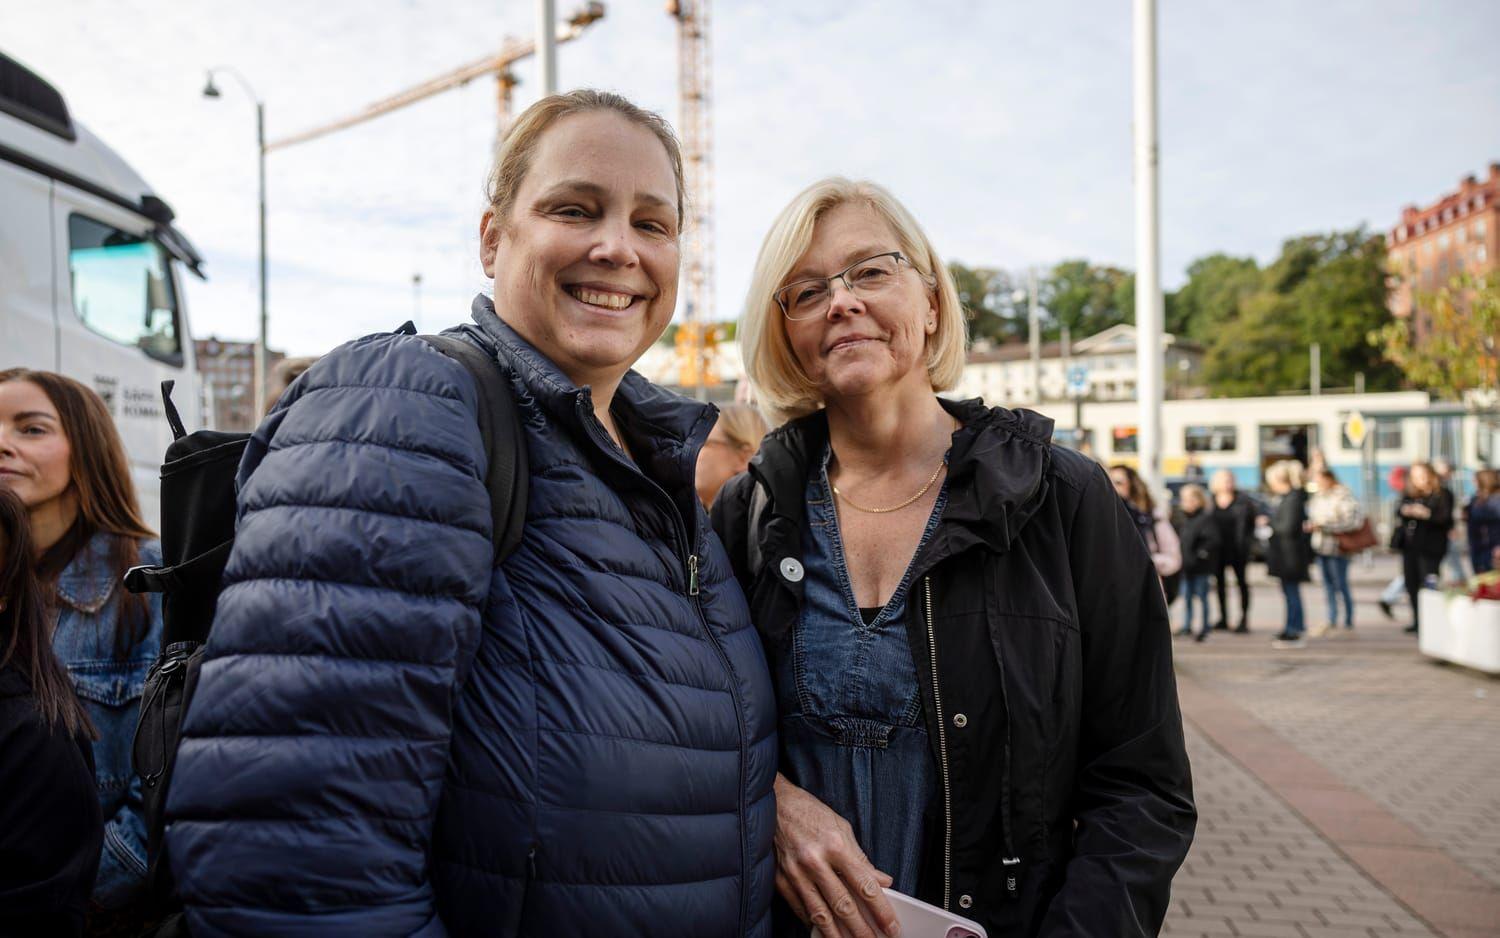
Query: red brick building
<point x="1458" y="233"/>
<point x="227" y="370"/>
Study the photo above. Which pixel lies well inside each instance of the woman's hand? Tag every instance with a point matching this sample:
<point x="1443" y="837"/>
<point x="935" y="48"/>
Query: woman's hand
<point x="823" y="874"/>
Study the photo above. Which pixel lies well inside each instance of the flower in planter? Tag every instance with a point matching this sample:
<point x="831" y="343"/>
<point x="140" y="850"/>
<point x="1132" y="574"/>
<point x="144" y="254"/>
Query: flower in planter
<point x="1485" y="586"/>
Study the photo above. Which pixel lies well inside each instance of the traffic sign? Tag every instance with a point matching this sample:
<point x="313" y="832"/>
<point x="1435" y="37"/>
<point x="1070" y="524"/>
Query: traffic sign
<point x="1078" y="381"/>
<point x="1355" y="428"/>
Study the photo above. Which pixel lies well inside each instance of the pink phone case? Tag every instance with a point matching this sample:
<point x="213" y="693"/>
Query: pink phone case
<point x="920" y="920"/>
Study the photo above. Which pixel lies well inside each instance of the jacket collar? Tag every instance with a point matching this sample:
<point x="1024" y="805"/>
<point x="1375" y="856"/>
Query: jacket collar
<point x="666" y="429"/>
<point x="88" y="582"/>
<point x="997" y="478"/>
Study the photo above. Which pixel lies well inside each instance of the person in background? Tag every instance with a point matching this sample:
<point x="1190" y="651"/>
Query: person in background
<point x="1234" y="514"/>
<point x="1396" y="588"/>
<point x="1482" y="518"/>
<point x="1424" y="517"/>
<point x="1333" y="510"/>
<point x="286" y="371"/>
<point x="727" y="451"/>
<point x="51" y="828"/>
<point x="60" y="452"/>
<point x="1201" y="551"/>
<point x="1155" y="526"/>
<point x="1454" y="555"/>
<point x="1289" y="552"/>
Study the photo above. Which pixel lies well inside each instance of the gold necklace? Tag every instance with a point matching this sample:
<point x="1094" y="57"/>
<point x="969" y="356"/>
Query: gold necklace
<point x="882" y="511"/>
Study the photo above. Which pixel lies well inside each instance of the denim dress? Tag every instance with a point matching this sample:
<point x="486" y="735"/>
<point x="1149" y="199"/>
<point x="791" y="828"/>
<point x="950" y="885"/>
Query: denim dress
<point x="110" y="689"/>
<point x="852" y="729"/>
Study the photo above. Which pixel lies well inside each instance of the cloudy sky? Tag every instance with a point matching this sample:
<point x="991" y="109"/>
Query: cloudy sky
<point x="1005" y="126"/>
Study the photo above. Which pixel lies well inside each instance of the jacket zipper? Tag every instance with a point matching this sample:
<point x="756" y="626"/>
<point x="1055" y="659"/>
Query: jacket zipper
<point x="684" y="542"/>
<point x="937" y="699"/>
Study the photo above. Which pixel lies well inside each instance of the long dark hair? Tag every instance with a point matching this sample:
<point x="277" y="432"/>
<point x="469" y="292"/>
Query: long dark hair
<point x="24" y="640"/>
<point x="99" y="475"/>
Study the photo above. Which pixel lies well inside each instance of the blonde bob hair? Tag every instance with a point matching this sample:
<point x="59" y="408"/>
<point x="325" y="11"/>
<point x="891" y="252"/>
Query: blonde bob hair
<point x="782" y="387"/>
<point x="1289" y="471"/>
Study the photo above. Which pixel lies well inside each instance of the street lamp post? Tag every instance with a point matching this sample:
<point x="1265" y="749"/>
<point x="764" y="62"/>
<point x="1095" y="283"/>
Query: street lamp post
<point x="210" y="90"/>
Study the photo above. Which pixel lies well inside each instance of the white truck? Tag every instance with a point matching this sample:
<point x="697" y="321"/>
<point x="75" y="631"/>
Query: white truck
<point x="91" y="272"/>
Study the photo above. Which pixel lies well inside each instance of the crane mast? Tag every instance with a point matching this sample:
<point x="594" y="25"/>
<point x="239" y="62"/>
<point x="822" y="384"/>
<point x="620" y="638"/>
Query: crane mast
<point x="695" y="123"/>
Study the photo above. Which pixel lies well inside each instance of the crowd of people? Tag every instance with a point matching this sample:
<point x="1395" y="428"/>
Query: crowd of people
<point x="732" y="682"/>
<point x="1310" y="519"/>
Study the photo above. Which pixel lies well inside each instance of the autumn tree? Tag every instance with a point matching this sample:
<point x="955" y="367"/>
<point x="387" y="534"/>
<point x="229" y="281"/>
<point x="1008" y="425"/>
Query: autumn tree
<point x="1460" y="351"/>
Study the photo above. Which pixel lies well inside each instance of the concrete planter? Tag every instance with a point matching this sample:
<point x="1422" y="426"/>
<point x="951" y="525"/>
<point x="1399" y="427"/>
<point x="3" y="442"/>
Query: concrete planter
<point x="1461" y="630"/>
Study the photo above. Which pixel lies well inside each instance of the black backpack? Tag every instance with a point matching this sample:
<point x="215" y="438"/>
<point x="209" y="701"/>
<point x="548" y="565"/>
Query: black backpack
<point x="197" y="532"/>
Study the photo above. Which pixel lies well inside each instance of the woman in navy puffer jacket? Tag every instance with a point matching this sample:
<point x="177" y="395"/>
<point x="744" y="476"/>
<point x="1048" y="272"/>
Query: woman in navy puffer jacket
<point x="391" y="738"/>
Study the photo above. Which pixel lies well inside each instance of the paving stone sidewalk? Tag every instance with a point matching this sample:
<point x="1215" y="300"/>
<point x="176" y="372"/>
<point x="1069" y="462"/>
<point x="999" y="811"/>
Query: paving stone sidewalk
<point x="1348" y="788"/>
<point x="1257" y="869"/>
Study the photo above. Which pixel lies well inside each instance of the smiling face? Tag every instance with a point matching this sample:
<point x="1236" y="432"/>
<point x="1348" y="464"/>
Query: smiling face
<point x="34" y="453"/>
<point x="585" y="266"/>
<point x="863" y="344"/>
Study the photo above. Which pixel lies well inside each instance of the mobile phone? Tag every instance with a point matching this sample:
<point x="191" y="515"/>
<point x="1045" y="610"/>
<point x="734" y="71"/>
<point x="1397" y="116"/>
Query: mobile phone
<point x="920" y="920"/>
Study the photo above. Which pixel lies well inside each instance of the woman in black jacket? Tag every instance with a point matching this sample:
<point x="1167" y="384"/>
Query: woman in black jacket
<point x="1201" y="550"/>
<point x="1289" y="553"/>
<point x="51" y="827"/>
<point x="971" y="650"/>
<point x="1423" y="519"/>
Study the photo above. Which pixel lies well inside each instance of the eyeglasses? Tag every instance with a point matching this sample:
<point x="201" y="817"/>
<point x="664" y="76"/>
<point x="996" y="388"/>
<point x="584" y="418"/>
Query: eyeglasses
<point x="809" y="299"/>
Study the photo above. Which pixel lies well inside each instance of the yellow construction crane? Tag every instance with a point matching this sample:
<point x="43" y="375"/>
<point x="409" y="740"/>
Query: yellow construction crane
<point x="512" y="51"/>
<point x="695" y="124"/>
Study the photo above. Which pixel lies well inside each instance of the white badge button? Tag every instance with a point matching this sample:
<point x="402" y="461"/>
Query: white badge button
<point x="791" y="569"/>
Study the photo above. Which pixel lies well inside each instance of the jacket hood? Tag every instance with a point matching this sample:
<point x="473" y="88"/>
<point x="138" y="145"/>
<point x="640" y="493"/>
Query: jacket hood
<point x="997" y="476"/>
<point x="675" y="426"/>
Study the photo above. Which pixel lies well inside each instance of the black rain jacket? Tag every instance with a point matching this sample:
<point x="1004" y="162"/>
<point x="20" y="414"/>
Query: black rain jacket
<point x="51" y="828"/>
<point x="1202" y="548"/>
<point x="1043" y="649"/>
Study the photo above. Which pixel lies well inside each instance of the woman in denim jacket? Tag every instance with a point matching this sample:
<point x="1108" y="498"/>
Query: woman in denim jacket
<point x="60" y="452"/>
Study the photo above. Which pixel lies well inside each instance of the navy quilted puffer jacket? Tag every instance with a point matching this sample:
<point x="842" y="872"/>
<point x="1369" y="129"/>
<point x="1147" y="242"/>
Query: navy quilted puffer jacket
<point x="389" y="737"/>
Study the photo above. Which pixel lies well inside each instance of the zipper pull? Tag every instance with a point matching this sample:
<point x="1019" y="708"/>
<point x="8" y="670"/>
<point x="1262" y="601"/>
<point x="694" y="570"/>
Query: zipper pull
<point x="692" y="574"/>
<point x="1010" y="876"/>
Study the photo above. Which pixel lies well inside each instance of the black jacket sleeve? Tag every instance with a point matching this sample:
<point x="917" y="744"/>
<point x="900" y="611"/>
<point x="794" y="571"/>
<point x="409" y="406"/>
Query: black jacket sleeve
<point x="51" y="828"/>
<point x="730" y="517"/>
<point x="1133" y="800"/>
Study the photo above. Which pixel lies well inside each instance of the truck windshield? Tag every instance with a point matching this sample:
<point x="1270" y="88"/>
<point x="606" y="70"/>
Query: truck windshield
<point x="122" y="288"/>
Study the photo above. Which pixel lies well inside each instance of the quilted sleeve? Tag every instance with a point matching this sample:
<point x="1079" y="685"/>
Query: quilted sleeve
<point x="314" y="751"/>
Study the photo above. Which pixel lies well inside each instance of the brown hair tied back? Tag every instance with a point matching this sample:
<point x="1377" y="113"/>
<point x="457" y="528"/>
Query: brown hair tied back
<point x="518" y="147"/>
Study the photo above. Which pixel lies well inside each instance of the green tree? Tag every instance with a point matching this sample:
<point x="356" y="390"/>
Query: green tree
<point x="986" y="295"/>
<point x="1215" y="287"/>
<point x="1257" y="350"/>
<point x="1084" y="297"/>
<point x="1324" y="288"/>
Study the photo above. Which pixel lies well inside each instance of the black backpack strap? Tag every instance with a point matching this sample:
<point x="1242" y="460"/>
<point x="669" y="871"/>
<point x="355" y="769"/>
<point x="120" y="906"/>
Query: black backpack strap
<point x="173" y="418"/>
<point x="504" y="441"/>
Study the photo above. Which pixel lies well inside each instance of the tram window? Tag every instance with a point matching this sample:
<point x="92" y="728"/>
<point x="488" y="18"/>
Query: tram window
<point x="1221" y="439"/>
<point x="1125" y="440"/>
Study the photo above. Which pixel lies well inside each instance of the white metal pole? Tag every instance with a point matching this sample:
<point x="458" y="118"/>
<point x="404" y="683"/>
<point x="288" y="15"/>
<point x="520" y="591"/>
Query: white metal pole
<point x="1035" y="327"/>
<point x="1315" y="368"/>
<point x="546" y="45"/>
<point x="260" y="341"/>
<point x="1148" y="304"/>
